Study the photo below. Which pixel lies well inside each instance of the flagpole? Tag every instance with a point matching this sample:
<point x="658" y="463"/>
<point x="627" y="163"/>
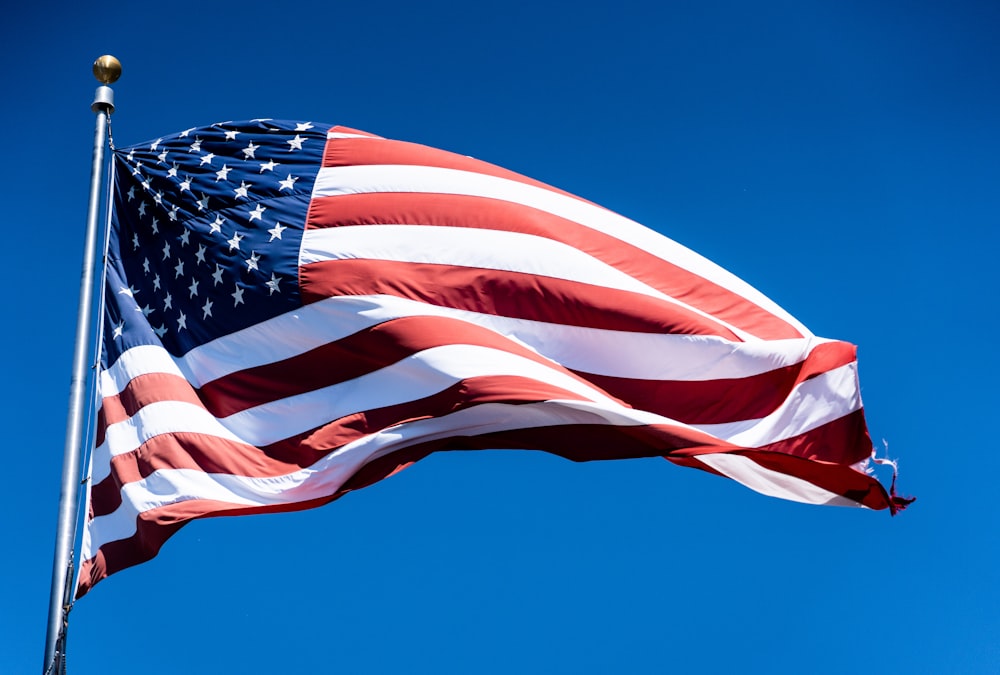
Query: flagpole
<point x="107" y="70"/>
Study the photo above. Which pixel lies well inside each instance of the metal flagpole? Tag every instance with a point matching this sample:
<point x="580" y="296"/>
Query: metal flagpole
<point x="107" y="70"/>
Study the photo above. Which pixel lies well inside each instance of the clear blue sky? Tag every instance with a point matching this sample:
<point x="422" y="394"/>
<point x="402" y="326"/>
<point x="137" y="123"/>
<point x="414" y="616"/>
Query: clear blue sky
<point x="843" y="157"/>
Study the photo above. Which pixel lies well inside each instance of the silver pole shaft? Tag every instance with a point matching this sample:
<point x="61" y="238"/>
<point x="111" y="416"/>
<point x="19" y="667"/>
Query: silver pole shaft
<point x="70" y="491"/>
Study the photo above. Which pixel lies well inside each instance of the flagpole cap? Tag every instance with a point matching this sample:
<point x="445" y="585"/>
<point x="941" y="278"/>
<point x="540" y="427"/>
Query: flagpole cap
<point x="107" y="69"/>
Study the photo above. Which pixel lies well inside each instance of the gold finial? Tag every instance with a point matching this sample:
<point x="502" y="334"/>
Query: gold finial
<point x="107" y="69"/>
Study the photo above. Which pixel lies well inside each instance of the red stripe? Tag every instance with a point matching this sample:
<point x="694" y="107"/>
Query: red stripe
<point x="100" y="427"/>
<point x="510" y="294"/>
<point x="143" y="390"/>
<point x="444" y="210"/>
<point x="844" y="440"/>
<point x="180" y="450"/>
<point x="381" y="151"/>
<point x="827" y="450"/>
<point x="835" y="478"/>
<point x="724" y="400"/>
<point x="359" y="354"/>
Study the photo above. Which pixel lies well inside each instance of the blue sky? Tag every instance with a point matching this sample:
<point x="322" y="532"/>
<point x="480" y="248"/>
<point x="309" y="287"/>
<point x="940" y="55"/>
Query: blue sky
<point x="840" y="156"/>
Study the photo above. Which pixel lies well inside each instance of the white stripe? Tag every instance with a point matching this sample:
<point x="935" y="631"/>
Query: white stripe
<point x="341" y="180"/>
<point x="276" y="339"/>
<point x="132" y="363"/>
<point x="150" y="421"/>
<point x="744" y="470"/>
<point x="85" y="541"/>
<point x="479" y="248"/>
<point x="341" y="134"/>
<point x="591" y="350"/>
<point x="811" y="404"/>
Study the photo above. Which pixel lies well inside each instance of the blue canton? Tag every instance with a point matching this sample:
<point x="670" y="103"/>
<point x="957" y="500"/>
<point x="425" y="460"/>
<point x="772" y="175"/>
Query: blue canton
<point x="205" y="232"/>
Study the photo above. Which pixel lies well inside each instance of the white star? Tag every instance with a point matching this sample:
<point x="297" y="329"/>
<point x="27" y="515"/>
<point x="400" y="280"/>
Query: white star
<point x="222" y="174"/>
<point x="207" y="159"/>
<point x="161" y="331"/>
<point x="217" y="276"/>
<point x="268" y="166"/>
<point x="288" y="183"/>
<point x="186" y="183"/>
<point x="186" y="132"/>
<point x="273" y="284"/>
<point x="207" y="309"/>
<point x="155" y="225"/>
<point x="173" y="212"/>
<point x="276" y="231"/>
<point x="303" y="126"/>
<point x="182" y="321"/>
<point x="145" y="265"/>
<point x="257" y="212"/>
<point x="158" y="197"/>
<point x="196" y="146"/>
<point x="179" y="268"/>
<point x="135" y="240"/>
<point x="131" y="193"/>
<point x="117" y="332"/>
<point x="231" y="135"/>
<point x="166" y="250"/>
<point x="130" y="292"/>
<point x="185" y="235"/>
<point x="168" y="302"/>
<point x="156" y="282"/>
<point x="217" y="225"/>
<point x="136" y="168"/>
<point x="203" y="202"/>
<point x="193" y="288"/>
<point x="142" y="209"/>
<point x="248" y="152"/>
<point x="146" y="184"/>
<point x="252" y="262"/>
<point x="237" y="296"/>
<point x="296" y="143"/>
<point x="156" y="144"/>
<point x="235" y="241"/>
<point x="131" y="156"/>
<point x="241" y="191"/>
<point x="200" y="255"/>
<point x="162" y="157"/>
<point x="172" y="171"/>
<point x="146" y="311"/>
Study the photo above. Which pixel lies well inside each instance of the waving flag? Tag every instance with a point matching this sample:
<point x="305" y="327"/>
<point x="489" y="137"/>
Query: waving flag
<point x="293" y="311"/>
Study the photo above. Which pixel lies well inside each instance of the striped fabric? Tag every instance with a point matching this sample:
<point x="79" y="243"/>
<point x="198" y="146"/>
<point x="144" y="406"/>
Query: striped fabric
<point x="293" y="311"/>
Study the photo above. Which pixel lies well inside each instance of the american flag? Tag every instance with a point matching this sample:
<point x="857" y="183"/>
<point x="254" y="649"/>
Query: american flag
<point x="293" y="311"/>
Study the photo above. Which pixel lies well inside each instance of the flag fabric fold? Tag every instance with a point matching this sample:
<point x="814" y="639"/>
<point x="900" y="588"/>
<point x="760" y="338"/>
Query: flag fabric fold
<point x="296" y="310"/>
